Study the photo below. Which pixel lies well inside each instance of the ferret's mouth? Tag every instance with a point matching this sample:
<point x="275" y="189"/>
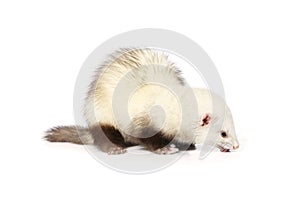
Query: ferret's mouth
<point x="223" y="149"/>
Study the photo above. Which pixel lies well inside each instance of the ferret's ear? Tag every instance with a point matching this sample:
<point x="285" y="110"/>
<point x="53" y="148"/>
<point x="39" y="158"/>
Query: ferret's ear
<point x="206" y="119"/>
<point x="209" y="119"/>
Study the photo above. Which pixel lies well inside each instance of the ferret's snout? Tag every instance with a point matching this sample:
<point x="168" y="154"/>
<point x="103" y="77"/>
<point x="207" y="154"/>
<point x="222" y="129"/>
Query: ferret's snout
<point x="236" y="147"/>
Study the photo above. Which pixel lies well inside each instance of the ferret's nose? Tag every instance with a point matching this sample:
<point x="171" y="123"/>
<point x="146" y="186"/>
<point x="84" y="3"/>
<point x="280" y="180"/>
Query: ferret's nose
<point x="236" y="147"/>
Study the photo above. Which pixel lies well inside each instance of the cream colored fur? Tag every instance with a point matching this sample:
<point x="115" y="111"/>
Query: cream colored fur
<point x="141" y="87"/>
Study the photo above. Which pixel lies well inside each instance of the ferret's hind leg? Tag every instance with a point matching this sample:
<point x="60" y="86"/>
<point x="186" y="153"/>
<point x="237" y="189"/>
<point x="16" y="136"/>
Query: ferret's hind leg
<point x="109" y="139"/>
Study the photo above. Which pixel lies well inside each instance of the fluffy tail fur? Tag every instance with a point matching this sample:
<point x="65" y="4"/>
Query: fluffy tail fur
<point x="73" y="134"/>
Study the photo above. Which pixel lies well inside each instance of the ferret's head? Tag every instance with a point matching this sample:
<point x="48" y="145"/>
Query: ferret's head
<point x="218" y="130"/>
<point x="216" y="125"/>
<point x="226" y="137"/>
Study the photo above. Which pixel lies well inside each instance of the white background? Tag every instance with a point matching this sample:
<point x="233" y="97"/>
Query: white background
<point x="254" y="44"/>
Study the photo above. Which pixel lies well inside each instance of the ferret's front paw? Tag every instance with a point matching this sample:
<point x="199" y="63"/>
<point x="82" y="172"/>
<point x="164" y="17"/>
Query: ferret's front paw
<point x="116" y="150"/>
<point x="166" y="150"/>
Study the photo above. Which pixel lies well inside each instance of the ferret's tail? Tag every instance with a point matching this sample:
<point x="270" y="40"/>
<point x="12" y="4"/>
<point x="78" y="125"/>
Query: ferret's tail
<point x="73" y="134"/>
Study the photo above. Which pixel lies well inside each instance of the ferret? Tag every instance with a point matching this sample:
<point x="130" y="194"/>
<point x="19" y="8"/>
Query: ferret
<point x="139" y="97"/>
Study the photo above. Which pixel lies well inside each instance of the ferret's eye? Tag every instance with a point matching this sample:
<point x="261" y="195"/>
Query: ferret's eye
<point x="223" y="134"/>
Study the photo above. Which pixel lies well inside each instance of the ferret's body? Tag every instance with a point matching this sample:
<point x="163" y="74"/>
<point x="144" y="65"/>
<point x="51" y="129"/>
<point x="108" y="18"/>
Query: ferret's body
<point x="140" y="98"/>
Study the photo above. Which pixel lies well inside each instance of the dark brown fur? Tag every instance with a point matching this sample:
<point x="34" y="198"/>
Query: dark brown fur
<point x="154" y="139"/>
<point x="107" y="137"/>
<point x="150" y="138"/>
